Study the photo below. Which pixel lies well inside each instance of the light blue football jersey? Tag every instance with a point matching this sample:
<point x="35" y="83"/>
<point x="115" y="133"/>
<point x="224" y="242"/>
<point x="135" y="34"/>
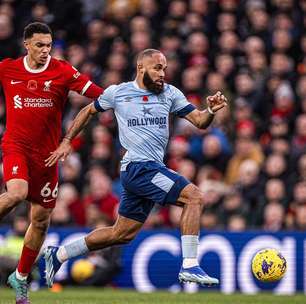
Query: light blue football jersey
<point x="143" y="118"/>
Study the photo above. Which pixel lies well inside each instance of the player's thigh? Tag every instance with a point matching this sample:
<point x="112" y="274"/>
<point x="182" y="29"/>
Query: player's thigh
<point x="15" y="173"/>
<point x="43" y="184"/>
<point x="17" y="188"/>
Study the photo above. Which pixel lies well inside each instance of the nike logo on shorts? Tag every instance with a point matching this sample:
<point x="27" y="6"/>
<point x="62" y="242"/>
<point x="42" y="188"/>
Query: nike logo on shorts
<point x="15" y="82"/>
<point x="48" y="200"/>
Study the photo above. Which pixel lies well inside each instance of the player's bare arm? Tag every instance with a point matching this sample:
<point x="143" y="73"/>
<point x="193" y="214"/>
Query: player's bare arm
<point x="64" y="149"/>
<point x="202" y="119"/>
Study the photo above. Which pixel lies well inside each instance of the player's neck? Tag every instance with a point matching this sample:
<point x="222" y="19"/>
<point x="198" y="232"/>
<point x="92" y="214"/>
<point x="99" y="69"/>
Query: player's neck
<point x="32" y="64"/>
<point x="139" y="82"/>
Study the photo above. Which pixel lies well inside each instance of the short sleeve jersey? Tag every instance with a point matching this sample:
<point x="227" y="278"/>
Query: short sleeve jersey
<point x="143" y="118"/>
<point x="35" y="101"/>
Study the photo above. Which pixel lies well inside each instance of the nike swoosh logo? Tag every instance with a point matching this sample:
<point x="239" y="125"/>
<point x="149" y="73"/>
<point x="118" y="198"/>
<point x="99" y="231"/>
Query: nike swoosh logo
<point x="15" y="82"/>
<point x="47" y="200"/>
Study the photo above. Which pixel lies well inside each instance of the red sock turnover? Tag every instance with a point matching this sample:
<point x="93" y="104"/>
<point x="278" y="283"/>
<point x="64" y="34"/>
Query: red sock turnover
<point x="27" y="259"/>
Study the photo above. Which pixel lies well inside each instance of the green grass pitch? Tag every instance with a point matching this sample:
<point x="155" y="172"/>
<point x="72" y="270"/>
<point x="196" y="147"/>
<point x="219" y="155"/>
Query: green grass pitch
<point x="118" y="296"/>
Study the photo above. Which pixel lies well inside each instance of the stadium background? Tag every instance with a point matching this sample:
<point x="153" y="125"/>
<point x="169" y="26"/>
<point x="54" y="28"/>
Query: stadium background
<point x="251" y="164"/>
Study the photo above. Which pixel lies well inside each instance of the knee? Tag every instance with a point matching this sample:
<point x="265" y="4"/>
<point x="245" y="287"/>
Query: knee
<point x="41" y="225"/>
<point x="195" y="196"/>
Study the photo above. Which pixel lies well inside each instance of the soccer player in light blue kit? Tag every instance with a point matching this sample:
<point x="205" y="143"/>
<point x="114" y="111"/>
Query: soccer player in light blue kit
<point x="142" y="109"/>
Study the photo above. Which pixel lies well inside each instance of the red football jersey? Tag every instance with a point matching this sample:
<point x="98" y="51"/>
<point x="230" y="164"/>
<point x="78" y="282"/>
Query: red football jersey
<point x="35" y="101"/>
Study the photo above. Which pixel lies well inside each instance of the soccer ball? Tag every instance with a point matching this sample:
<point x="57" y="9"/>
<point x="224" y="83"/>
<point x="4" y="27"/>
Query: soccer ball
<point x="81" y="270"/>
<point x="268" y="265"/>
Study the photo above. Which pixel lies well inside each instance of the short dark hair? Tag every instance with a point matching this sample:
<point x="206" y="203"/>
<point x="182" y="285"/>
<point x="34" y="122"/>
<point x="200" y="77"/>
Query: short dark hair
<point x="36" y="28"/>
<point x="146" y="53"/>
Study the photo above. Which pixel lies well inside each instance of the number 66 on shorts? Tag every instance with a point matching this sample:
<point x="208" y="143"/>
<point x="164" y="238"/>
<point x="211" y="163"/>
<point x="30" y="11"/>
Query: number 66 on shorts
<point x="48" y="194"/>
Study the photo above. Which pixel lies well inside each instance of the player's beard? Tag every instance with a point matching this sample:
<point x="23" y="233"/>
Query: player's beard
<point x="152" y="85"/>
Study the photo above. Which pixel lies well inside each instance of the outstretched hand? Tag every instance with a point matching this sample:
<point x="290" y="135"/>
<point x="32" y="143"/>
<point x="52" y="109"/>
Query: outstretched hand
<point x="61" y="152"/>
<point x="216" y="102"/>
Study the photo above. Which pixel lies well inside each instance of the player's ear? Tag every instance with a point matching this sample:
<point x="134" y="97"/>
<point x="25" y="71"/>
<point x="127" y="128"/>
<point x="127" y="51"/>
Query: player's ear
<point x="140" y="68"/>
<point x="26" y="44"/>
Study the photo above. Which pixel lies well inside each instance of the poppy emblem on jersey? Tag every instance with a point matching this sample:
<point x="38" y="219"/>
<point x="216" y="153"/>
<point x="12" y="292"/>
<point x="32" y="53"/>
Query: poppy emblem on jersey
<point x="145" y="98"/>
<point x="47" y="85"/>
<point x="32" y="85"/>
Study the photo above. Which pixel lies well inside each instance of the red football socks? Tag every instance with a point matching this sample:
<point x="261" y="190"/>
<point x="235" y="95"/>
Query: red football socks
<point x="27" y="259"/>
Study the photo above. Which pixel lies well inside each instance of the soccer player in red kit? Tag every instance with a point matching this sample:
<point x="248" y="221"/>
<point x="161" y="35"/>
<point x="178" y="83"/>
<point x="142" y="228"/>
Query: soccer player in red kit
<point x="36" y="88"/>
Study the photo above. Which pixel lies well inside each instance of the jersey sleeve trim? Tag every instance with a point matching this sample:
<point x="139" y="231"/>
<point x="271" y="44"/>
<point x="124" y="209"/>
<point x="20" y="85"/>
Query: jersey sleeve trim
<point x="98" y="106"/>
<point x="186" y="110"/>
<point x="86" y="86"/>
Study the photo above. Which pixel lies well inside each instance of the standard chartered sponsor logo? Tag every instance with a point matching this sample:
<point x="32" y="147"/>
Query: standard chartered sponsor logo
<point x="38" y="102"/>
<point x="17" y="102"/>
<point x="28" y="102"/>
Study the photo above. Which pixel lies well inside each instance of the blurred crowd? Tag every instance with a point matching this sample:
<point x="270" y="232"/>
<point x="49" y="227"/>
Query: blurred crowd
<point x="251" y="163"/>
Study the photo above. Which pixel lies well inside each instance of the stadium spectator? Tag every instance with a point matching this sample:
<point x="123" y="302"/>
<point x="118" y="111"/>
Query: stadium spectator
<point x="209" y="220"/>
<point x="213" y="152"/>
<point x="300" y="217"/>
<point x="245" y="149"/>
<point x="175" y="213"/>
<point x="70" y="170"/>
<point x="187" y="168"/>
<point x="273" y="217"/>
<point x="299" y="137"/>
<point x="9" y="45"/>
<point x="248" y="183"/>
<point x="193" y="84"/>
<point x="236" y="223"/>
<point x="233" y="206"/>
<point x="275" y="167"/>
<point x="178" y="150"/>
<point x="69" y="210"/>
<point x="225" y="65"/>
<point x="275" y="191"/>
<point x="100" y="194"/>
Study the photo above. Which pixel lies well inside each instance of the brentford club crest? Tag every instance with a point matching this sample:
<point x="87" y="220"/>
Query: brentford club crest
<point x="32" y="85"/>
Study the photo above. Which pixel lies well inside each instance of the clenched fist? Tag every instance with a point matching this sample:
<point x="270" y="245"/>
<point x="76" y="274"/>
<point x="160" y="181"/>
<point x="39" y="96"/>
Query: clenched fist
<point x="216" y="102"/>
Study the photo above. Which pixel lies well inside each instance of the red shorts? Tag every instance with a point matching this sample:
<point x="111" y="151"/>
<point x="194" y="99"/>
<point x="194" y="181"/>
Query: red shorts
<point x="42" y="181"/>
